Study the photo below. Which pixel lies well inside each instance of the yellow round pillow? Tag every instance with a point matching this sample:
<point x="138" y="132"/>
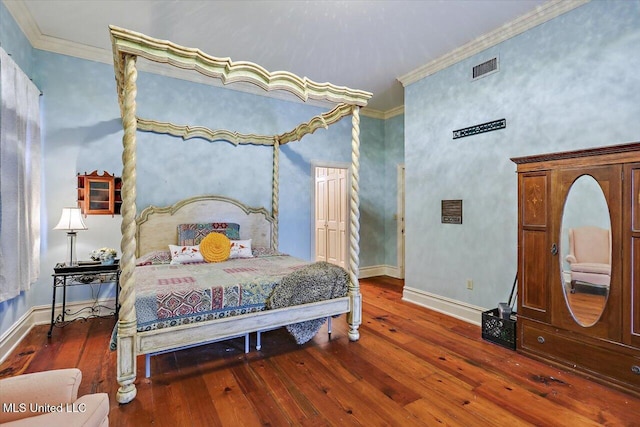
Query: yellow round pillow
<point x="215" y="247"/>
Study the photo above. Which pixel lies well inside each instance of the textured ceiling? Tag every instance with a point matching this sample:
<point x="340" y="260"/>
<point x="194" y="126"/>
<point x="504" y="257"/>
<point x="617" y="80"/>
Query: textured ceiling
<point x="360" y="44"/>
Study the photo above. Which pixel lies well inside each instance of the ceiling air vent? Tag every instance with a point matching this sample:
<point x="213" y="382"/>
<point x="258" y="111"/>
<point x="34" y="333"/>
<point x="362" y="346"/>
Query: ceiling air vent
<point x="488" y="67"/>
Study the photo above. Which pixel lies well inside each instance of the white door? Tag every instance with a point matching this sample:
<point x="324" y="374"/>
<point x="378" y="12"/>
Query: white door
<point x="331" y="215"/>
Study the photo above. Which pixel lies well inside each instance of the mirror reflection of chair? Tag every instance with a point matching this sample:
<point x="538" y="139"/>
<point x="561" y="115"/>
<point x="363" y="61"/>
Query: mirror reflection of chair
<point x="590" y="257"/>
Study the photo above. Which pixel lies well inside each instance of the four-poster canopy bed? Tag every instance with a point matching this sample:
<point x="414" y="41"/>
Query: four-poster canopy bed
<point x="131" y="341"/>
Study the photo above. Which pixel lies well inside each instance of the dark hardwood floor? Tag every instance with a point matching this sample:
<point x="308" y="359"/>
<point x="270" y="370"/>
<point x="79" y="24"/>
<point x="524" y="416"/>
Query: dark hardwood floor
<point x="411" y="367"/>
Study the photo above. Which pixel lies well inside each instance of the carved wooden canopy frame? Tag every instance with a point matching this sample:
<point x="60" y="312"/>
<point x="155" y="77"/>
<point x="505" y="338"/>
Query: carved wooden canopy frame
<point x="127" y="46"/>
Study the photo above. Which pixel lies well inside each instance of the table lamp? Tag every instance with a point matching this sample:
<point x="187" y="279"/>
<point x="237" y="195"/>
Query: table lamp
<point x="71" y="220"/>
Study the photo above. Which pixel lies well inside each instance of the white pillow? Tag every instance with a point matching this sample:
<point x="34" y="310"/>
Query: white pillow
<point x="185" y="254"/>
<point x="241" y="249"/>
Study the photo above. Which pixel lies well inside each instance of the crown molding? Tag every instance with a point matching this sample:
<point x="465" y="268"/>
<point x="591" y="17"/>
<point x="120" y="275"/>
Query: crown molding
<point x="382" y="115"/>
<point x="394" y="112"/>
<point x="23" y="18"/>
<point x="30" y="29"/>
<point x="372" y="113"/>
<point x="539" y="15"/>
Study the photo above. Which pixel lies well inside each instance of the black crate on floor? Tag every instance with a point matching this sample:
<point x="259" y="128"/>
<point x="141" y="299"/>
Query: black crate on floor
<point x="498" y="330"/>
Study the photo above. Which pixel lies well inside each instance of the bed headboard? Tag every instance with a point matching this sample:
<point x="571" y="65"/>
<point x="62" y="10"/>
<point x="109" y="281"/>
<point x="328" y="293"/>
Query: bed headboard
<point x="157" y="227"/>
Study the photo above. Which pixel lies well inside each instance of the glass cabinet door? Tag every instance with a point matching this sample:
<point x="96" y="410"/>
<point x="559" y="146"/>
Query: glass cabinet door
<point x="100" y="194"/>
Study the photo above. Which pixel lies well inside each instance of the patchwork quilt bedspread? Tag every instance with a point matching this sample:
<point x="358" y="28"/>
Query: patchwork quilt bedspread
<point x="169" y="295"/>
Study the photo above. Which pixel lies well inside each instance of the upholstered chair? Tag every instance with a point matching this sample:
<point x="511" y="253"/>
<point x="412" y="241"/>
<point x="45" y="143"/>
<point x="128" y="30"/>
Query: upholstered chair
<point x="590" y="256"/>
<point x="50" y="398"/>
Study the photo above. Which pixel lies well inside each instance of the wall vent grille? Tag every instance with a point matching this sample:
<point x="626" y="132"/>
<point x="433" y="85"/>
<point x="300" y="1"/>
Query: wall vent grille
<point x="488" y="67"/>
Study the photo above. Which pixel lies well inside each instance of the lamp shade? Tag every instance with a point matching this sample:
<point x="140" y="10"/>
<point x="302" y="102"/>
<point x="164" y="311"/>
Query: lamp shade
<point x="71" y="219"/>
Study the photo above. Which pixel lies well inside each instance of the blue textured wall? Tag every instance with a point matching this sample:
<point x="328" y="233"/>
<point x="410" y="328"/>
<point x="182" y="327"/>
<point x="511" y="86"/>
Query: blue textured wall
<point x="372" y="188"/>
<point x="570" y="83"/>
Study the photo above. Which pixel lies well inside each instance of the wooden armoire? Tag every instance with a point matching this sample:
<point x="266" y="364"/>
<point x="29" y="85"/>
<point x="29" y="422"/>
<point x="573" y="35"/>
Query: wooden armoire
<point x="591" y="326"/>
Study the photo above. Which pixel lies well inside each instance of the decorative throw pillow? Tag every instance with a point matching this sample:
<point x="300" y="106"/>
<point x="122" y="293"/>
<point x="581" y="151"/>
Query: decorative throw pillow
<point x="192" y="234"/>
<point x="154" y="258"/>
<point x="241" y="249"/>
<point x="185" y="254"/>
<point x="215" y="247"/>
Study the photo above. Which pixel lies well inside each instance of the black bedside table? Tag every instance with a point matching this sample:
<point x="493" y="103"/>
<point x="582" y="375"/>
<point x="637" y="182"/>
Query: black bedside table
<point x="79" y="275"/>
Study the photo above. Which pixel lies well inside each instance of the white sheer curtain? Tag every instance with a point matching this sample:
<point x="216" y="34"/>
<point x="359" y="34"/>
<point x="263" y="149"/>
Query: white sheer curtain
<point x="19" y="180"/>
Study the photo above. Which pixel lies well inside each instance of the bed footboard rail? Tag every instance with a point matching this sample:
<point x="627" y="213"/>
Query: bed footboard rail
<point x="185" y="335"/>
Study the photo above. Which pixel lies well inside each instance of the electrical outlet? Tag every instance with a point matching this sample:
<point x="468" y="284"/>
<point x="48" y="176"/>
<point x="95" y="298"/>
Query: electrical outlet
<point x="470" y="284"/>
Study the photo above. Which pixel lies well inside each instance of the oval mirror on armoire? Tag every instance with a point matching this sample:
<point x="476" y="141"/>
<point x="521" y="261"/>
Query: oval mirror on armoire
<point x="585" y="246"/>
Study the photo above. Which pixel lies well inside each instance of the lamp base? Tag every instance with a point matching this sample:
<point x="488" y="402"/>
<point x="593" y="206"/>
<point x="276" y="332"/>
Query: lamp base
<point x="71" y="260"/>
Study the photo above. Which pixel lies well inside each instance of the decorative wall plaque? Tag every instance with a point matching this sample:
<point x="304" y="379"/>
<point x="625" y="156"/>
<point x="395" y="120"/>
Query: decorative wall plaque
<point x="452" y="211"/>
<point x="482" y="128"/>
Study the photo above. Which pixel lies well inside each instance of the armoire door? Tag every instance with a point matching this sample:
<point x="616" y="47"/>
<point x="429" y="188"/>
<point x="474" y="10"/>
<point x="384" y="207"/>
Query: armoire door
<point x="533" y="245"/>
<point x="631" y="252"/>
<point x="331" y="210"/>
<point x="593" y="311"/>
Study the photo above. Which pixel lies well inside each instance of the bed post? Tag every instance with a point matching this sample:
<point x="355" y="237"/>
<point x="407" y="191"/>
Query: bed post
<point x="126" y="370"/>
<point x="354" y="317"/>
<point x="275" y="193"/>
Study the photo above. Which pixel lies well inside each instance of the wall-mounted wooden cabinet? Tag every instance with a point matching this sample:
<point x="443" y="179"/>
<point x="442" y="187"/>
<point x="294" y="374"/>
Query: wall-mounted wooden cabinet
<point x="99" y="194"/>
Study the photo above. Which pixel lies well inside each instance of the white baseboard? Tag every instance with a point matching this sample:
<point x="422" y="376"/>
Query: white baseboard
<point x="12" y="337"/>
<point x="41" y="315"/>
<point x="460" y="310"/>
<point x="380" y="270"/>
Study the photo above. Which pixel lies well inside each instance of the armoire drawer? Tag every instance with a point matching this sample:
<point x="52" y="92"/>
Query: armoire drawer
<point x="612" y="363"/>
